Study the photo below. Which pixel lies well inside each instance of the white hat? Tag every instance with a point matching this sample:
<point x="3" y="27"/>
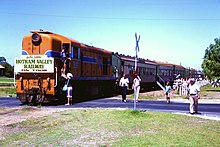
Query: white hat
<point x="69" y="75"/>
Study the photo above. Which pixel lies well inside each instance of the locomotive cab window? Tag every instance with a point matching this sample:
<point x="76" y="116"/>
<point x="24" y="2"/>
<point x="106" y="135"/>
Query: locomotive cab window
<point x="66" y="46"/>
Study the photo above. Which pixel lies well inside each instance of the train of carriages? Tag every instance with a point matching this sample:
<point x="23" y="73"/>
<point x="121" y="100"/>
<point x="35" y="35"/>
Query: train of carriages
<point x="39" y="75"/>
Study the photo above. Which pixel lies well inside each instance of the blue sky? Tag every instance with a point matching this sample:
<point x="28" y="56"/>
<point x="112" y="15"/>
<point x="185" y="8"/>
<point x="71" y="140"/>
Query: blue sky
<point x="174" y="31"/>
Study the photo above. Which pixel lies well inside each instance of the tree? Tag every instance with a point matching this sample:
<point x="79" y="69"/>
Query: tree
<point x="211" y="62"/>
<point x="9" y="70"/>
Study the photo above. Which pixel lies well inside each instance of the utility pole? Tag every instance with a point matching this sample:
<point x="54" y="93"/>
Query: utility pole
<point x="137" y="38"/>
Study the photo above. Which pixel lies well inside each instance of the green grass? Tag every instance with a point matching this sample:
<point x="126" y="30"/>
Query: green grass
<point x="7" y="89"/>
<point x="105" y="127"/>
<point x="7" y="92"/>
<point x="209" y="92"/>
<point x="209" y="88"/>
<point x="6" y="81"/>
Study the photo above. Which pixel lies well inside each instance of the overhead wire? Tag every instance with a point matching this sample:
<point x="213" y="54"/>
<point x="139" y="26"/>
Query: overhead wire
<point x="114" y="18"/>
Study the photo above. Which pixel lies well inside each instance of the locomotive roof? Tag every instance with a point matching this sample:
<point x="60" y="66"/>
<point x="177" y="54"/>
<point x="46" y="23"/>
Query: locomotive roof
<point x="56" y="35"/>
<point x="71" y="40"/>
<point x="95" y="48"/>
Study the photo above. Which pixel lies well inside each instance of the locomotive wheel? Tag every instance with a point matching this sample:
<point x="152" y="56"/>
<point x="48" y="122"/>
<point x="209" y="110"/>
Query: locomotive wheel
<point x="29" y="100"/>
<point x="35" y="99"/>
<point x="39" y="99"/>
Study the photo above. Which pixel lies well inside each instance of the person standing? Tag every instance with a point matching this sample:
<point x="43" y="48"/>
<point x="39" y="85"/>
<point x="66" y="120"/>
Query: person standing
<point x="64" y="55"/>
<point x="136" y="86"/>
<point x="124" y="84"/>
<point x="194" y="95"/>
<point x="69" y="91"/>
<point x="168" y="89"/>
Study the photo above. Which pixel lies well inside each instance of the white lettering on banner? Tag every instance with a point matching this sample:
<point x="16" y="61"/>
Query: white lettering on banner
<point x="34" y="63"/>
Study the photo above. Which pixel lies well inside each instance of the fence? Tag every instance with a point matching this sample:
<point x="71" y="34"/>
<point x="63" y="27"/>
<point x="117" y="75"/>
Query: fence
<point x="182" y="88"/>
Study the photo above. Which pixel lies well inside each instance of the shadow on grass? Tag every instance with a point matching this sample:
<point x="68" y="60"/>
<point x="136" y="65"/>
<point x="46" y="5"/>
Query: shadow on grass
<point x="213" y="90"/>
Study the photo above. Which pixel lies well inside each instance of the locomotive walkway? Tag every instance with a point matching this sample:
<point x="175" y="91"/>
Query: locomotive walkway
<point x="209" y="109"/>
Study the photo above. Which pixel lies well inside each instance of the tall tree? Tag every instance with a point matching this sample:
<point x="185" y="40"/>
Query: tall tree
<point x="211" y="62"/>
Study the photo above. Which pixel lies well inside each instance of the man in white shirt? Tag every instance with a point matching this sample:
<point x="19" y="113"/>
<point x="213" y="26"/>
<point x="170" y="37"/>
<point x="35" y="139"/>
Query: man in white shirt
<point x="124" y="84"/>
<point x="194" y="95"/>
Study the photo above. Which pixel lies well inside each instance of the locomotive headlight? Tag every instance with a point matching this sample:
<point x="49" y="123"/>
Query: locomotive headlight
<point x="36" y="38"/>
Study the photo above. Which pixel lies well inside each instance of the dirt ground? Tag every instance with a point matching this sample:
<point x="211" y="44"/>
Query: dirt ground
<point x="10" y="116"/>
<point x="158" y="93"/>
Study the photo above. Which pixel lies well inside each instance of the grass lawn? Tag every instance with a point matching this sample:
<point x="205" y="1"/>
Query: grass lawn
<point x="7" y="91"/>
<point x="6" y="81"/>
<point x="6" y="87"/>
<point x="108" y="127"/>
<point x="210" y="92"/>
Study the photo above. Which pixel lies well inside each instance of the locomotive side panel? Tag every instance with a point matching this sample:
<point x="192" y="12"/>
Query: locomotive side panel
<point x="93" y="65"/>
<point x="86" y="66"/>
<point x="75" y="64"/>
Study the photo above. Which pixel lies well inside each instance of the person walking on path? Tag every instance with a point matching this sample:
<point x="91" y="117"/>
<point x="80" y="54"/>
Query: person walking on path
<point x="136" y="86"/>
<point x="194" y="95"/>
<point x="168" y="89"/>
<point x="124" y="84"/>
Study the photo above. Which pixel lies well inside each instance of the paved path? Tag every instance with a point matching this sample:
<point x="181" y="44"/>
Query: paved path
<point x="209" y="109"/>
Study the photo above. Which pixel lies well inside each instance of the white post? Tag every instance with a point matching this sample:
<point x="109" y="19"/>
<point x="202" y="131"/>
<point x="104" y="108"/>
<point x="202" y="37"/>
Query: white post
<point x="135" y="62"/>
<point x="135" y="67"/>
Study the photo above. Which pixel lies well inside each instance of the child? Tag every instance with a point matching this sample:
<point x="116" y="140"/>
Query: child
<point x="167" y="92"/>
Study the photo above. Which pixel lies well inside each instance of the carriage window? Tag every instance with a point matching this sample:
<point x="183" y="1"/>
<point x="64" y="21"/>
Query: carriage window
<point x="144" y="71"/>
<point x="131" y="69"/>
<point x="151" y="72"/>
<point x="147" y="71"/>
<point x="140" y="71"/>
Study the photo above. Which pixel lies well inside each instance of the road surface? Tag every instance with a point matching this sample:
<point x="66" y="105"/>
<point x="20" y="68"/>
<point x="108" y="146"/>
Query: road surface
<point x="209" y="109"/>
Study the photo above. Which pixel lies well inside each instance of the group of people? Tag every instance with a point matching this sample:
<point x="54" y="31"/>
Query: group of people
<point x="124" y="85"/>
<point x="65" y="73"/>
<point x="192" y="91"/>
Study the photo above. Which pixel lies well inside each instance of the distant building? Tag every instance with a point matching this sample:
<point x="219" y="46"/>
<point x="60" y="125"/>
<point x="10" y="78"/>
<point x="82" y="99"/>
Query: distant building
<point x="2" y="70"/>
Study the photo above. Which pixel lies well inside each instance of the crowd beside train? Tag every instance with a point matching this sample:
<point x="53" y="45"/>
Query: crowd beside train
<point x="181" y="85"/>
<point x="187" y="87"/>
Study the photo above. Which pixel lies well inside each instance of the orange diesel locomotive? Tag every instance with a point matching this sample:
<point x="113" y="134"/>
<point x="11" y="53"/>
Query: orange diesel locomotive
<point x="38" y="71"/>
